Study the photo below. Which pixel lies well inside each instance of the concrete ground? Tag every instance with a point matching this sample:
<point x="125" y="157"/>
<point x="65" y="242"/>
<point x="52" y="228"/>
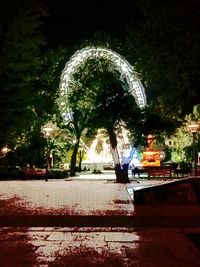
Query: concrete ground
<point x="93" y="222"/>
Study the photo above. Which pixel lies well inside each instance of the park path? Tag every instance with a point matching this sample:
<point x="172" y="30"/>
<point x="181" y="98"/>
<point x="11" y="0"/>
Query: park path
<point x="92" y="223"/>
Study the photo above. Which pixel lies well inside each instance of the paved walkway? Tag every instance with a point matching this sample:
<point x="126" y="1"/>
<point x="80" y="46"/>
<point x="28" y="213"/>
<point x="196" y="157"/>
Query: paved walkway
<point x="93" y="223"/>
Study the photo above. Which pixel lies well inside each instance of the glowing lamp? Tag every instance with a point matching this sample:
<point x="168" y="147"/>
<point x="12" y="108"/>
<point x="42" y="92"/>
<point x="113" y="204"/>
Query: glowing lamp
<point x="193" y="127"/>
<point x="47" y="131"/>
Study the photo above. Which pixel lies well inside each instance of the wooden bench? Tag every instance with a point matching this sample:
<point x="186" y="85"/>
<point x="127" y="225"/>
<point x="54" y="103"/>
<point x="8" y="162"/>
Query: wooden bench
<point x="160" y="171"/>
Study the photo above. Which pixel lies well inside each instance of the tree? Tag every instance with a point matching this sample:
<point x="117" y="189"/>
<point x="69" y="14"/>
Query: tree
<point x="183" y="139"/>
<point x="97" y="98"/>
<point x="30" y="76"/>
<point x="114" y="107"/>
<point x="95" y="101"/>
<point x="163" y="43"/>
<point x="21" y="44"/>
<point x="80" y="105"/>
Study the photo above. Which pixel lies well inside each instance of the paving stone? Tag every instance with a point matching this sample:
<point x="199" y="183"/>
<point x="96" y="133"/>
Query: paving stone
<point x="88" y="236"/>
<point x="38" y="243"/>
<point x="38" y="235"/>
<point x="121" y="237"/>
<point x="70" y="244"/>
<point x="48" y="229"/>
<point x="119" y="250"/>
<point x="114" y="245"/>
<point x="60" y="236"/>
<point x="45" y="260"/>
<point x="93" y="243"/>
<point x="49" y="250"/>
<point x="65" y="249"/>
<point x="37" y="229"/>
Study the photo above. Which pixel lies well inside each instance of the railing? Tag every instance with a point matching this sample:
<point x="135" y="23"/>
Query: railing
<point x="183" y="172"/>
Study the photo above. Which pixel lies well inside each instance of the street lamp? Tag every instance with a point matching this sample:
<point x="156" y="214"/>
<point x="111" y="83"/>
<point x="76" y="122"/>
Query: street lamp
<point x="47" y="132"/>
<point x="4" y="151"/>
<point x="193" y="127"/>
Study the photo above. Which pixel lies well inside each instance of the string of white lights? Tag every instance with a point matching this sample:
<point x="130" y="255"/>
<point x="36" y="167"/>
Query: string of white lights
<point x="127" y="74"/>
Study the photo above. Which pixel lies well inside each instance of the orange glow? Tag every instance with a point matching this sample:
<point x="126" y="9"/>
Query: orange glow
<point x="151" y="158"/>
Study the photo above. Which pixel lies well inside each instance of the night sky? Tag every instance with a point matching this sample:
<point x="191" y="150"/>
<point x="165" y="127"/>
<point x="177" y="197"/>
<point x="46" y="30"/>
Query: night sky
<point x="74" y="21"/>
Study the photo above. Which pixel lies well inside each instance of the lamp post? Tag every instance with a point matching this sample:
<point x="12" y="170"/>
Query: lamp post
<point x="47" y="132"/>
<point x="193" y="127"/>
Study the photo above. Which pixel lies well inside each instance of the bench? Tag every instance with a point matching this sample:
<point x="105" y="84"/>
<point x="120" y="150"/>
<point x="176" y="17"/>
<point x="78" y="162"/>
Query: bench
<point x="160" y="171"/>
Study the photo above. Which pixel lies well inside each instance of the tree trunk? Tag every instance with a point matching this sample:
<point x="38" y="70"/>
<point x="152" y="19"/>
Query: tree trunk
<point x="124" y="175"/>
<point x="73" y="159"/>
<point x="121" y="172"/>
<point x="81" y="154"/>
<point x="118" y="173"/>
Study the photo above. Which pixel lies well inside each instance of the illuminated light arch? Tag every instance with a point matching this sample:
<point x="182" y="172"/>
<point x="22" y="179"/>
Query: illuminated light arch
<point x="130" y="82"/>
<point x="127" y="75"/>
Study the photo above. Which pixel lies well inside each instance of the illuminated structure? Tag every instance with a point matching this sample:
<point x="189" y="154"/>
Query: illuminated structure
<point x="152" y="157"/>
<point x="128" y="77"/>
<point x="130" y="83"/>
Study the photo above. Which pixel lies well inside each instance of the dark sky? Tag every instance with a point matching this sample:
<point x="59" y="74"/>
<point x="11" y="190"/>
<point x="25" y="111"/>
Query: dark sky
<point x="70" y="21"/>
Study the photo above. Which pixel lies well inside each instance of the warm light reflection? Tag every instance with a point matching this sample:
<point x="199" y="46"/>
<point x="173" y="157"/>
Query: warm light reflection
<point x="151" y="158"/>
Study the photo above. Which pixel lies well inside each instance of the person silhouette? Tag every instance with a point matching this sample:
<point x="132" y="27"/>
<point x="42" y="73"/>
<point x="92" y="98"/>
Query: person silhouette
<point x="135" y="170"/>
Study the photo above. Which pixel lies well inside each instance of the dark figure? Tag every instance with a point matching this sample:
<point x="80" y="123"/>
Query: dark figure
<point x="135" y="171"/>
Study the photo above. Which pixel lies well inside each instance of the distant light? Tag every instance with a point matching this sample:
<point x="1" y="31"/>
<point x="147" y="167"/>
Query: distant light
<point x="47" y="131"/>
<point x="5" y="150"/>
<point x="193" y="127"/>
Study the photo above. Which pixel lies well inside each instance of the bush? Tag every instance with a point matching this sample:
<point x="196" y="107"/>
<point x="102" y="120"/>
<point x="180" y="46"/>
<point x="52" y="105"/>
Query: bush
<point x="15" y="173"/>
<point x="7" y="172"/>
<point x="58" y="173"/>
